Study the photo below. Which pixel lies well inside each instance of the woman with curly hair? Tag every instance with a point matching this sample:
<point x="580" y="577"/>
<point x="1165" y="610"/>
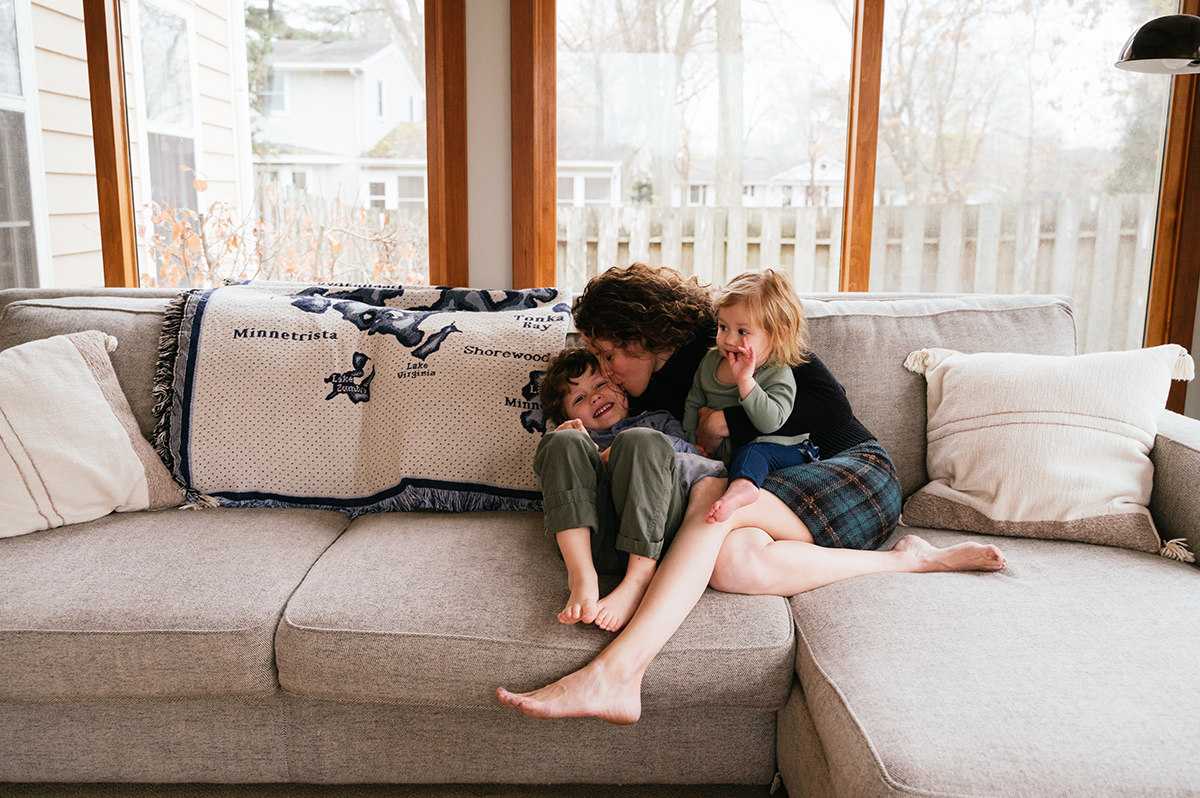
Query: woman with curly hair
<point x="811" y="525"/>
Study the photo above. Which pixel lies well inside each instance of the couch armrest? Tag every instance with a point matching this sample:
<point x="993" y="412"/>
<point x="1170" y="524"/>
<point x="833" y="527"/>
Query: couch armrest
<point x="1175" y="502"/>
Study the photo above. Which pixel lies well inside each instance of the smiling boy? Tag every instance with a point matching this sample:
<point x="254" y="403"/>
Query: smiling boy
<point x="614" y="488"/>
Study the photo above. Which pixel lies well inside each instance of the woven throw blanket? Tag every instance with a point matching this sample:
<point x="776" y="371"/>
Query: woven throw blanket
<point x="357" y="399"/>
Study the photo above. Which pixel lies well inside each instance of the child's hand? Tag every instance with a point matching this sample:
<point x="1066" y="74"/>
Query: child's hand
<point x="742" y="364"/>
<point x="573" y="423"/>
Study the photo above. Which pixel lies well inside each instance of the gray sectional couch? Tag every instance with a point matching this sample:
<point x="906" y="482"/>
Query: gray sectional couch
<point x="267" y="645"/>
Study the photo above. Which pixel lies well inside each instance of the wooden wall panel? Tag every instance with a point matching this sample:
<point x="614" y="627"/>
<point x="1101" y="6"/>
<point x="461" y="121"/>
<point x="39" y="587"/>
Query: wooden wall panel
<point x="446" y="115"/>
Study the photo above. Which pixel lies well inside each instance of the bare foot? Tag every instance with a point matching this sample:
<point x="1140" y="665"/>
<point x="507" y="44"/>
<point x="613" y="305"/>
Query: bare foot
<point x="586" y="693"/>
<point x="960" y="557"/>
<point x="582" y="604"/>
<point x="615" y="609"/>
<point x="740" y="493"/>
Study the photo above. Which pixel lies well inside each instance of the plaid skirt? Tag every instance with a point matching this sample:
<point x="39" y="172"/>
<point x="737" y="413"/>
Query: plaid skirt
<point x="850" y="501"/>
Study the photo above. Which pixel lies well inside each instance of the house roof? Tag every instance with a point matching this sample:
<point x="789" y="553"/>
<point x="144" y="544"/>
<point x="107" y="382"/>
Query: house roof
<point x="324" y="54"/>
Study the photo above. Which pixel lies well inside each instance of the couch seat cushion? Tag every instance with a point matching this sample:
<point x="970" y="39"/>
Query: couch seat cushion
<point x="439" y="610"/>
<point x="175" y="603"/>
<point x="1071" y="671"/>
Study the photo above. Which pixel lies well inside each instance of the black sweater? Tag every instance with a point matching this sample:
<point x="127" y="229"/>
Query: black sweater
<point x="821" y="408"/>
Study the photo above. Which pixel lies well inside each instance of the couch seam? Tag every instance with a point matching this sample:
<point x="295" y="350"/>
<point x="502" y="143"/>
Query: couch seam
<point x="891" y="782"/>
<point x="503" y="641"/>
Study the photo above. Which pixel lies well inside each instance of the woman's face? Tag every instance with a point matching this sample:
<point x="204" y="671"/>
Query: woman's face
<point x="628" y="365"/>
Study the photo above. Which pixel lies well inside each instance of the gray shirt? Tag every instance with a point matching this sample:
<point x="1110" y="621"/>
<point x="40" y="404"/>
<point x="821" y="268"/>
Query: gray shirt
<point x="690" y="465"/>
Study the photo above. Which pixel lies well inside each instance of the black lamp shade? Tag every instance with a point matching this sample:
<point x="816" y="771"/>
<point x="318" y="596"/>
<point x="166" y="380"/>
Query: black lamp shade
<point x="1168" y="45"/>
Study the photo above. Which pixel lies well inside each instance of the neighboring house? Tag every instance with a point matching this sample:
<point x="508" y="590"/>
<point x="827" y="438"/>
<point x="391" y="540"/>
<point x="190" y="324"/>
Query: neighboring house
<point x="590" y="184"/>
<point x="185" y="85"/>
<point x="344" y="119"/>
<point x="764" y="185"/>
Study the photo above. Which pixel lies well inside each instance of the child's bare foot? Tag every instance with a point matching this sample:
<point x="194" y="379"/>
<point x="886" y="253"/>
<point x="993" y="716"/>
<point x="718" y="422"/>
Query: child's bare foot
<point x="586" y="693"/>
<point x="582" y="604"/>
<point x="615" y="609"/>
<point x="740" y="493"/>
<point x="961" y="557"/>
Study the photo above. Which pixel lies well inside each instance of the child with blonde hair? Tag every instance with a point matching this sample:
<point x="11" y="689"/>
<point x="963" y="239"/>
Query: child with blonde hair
<point x="761" y="335"/>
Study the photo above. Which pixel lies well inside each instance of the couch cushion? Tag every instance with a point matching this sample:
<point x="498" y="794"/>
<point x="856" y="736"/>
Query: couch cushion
<point x="1071" y="671"/>
<point x="440" y="610"/>
<point x="134" y="321"/>
<point x="174" y="603"/>
<point x="864" y="342"/>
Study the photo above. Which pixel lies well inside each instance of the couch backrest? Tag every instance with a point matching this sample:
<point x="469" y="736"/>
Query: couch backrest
<point x="862" y="338"/>
<point x="133" y="316"/>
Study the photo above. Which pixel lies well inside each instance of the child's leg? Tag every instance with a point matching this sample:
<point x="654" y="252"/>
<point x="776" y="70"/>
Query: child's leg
<point x="651" y="504"/>
<point x="578" y="511"/>
<point x="582" y="581"/>
<point x="749" y="468"/>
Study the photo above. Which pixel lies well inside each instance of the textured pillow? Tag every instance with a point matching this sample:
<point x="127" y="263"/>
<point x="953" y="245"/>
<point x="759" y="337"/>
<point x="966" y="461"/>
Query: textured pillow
<point x="1044" y="447"/>
<point x="70" y="448"/>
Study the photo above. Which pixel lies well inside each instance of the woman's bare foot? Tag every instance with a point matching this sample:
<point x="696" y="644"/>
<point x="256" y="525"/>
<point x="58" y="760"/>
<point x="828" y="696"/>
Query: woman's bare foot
<point x="960" y="557"/>
<point x="582" y="604"/>
<point x="740" y="493"/>
<point x="615" y="609"/>
<point x="586" y="693"/>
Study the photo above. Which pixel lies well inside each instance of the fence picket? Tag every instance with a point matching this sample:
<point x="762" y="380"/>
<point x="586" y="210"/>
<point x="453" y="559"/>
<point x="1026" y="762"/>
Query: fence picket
<point x="672" y="238"/>
<point x="770" y="244"/>
<point x="703" y="244"/>
<point x="1104" y="274"/>
<point x="833" y="273"/>
<point x="1029" y="233"/>
<point x="1066" y="248"/>
<point x="1143" y="254"/>
<point x="987" y="250"/>
<point x="638" y="225"/>
<point x="912" y="248"/>
<point x="576" y="266"/>
<point x="735" y="246"/>
<point x="950" y="250"/>
<point x="880" y="229"/>
<point x="608" y="227"/>
<point x="804" y="258"/>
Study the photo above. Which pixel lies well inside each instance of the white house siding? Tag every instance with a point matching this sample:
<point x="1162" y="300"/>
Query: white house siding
<point x="67" y="152"/>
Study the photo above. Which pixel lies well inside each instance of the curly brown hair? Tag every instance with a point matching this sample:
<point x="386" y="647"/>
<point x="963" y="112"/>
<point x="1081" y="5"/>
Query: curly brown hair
<point x="657" y="309"/>
<point x="563" y="369"/>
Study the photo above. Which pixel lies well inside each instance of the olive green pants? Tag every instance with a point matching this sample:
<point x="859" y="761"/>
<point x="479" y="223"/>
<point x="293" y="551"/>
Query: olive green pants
<point x="633" y="507"/>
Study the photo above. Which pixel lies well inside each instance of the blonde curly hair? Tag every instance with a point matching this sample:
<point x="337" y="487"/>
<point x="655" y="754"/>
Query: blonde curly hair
<point x="769" y="298"/>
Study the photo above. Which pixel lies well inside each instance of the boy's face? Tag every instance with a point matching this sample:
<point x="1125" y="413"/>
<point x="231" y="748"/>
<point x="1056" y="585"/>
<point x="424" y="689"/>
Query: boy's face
<point x="595" y="401"/>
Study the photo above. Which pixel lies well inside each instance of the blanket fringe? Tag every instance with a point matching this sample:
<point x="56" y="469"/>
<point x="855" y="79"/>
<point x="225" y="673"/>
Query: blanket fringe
<point x="200" y="501"/>
<point x="164" y="377"/>
<point x="1177" y="549"/>
<point x="1185" y="367"/>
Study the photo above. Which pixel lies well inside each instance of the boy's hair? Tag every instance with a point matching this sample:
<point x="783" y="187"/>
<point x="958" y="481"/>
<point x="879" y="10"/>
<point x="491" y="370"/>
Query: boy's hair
<point x="654" y="308"/>
<point x="569" y="364"/>
<point x="768" y="297"/>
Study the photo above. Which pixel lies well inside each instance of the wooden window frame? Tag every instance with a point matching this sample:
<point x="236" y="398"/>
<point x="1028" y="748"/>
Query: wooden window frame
<point x="1175" y="275"/>
<point x="446" y="102"/>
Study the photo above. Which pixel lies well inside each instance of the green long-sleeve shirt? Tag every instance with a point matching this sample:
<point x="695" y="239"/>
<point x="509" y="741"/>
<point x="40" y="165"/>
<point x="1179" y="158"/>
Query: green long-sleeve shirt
<point x="767" y="406"/>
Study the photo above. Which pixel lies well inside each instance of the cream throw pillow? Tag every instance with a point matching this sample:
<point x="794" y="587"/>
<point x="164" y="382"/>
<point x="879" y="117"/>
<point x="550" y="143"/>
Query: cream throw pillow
<point x="1044" y="447"/>
<point x="70" y="448"/>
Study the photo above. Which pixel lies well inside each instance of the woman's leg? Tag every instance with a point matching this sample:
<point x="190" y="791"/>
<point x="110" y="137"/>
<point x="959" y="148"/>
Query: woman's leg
<point x="609" y="687"/>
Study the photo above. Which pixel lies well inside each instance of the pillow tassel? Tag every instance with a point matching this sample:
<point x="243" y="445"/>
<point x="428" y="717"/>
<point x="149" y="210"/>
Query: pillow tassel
<point x="110" y="343"/>
<point x="918" y="362"/>
<point x="1185" y="367"/>
<point x="1177" y="549"/>
<point x="200" y="501"/>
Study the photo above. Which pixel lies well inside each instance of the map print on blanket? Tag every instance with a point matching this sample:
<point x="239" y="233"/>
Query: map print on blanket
<point x="358" y="399"/>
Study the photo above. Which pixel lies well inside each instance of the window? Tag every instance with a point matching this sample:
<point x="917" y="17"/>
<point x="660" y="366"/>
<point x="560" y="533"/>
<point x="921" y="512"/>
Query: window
<point x="377" y="195"/>
<point x="566" y="191"/>
<point x="274" y="93"/>
<point x="1029" y="167"/>
<point x="410" y="191"/>
<point x="701" y="104"/>
<point x="300" y="180"/>
<point x="18" y="255"/>
<point x="597" y="191"/>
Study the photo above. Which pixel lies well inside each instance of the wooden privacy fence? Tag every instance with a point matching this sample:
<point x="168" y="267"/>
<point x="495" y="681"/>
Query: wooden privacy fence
<point x="1096" y="250"/>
